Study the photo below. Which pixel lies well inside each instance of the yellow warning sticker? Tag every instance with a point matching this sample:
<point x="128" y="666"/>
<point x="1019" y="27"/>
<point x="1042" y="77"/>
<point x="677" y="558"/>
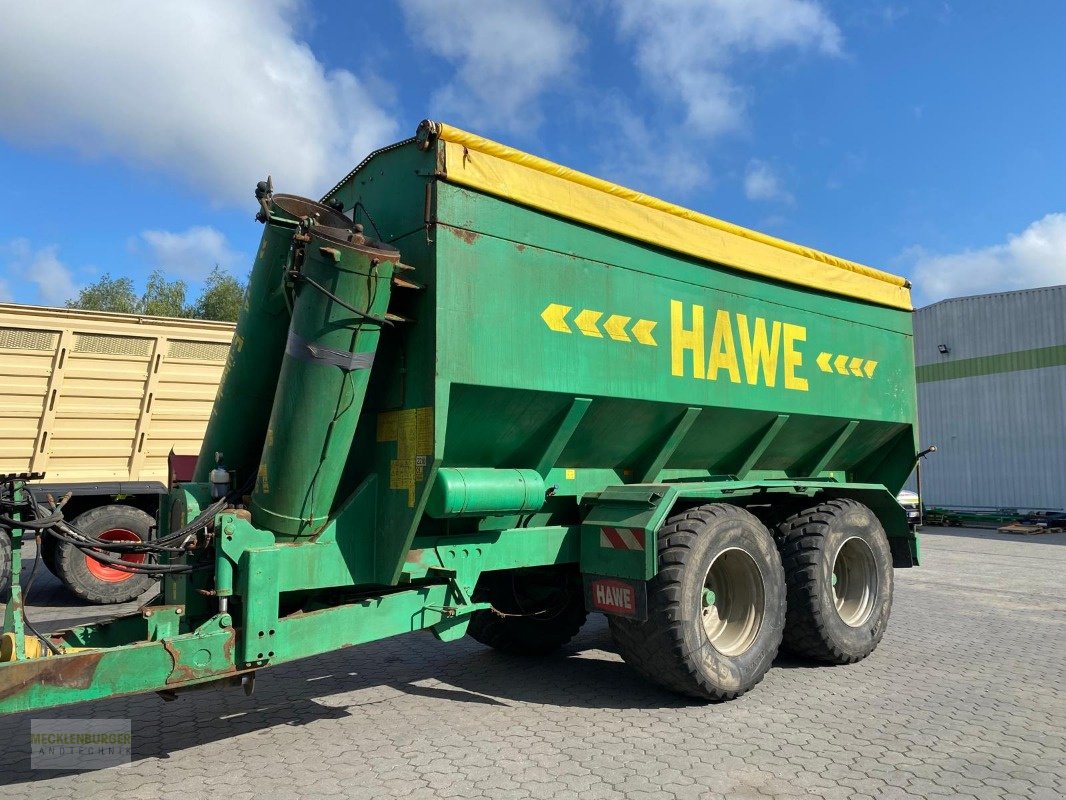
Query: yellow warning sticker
<point x="412" y="430"/>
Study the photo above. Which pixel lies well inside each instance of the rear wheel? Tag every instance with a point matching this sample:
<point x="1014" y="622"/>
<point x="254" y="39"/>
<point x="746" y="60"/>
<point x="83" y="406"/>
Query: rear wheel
<point x="839" y="571"/>
<point x="716" y="608"/>
<point x="536" y="611"/>
<point x="93" y="580"/>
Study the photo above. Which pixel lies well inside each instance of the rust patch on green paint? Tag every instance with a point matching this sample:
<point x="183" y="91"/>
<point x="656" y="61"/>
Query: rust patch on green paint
<point x="467" y="236"/>
<point x="62" y="672"/>
<point x="183" y="672"/>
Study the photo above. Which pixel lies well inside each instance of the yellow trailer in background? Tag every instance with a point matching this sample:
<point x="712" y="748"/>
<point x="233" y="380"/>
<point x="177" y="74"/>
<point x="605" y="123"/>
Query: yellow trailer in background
<point x="97" y="402"/>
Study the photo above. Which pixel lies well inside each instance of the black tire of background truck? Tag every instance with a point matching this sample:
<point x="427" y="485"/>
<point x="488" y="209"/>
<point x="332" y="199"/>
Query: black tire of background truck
<point x="538" y="634"/>
<point x="73" y="570"/>
<point x="812" y="543"/>
<point x="49" y="545"/>
<point x="673" y="647"/>
<point x="5" y="567"/>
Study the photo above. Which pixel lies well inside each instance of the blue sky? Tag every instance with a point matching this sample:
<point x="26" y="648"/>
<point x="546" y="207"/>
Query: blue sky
<point x="922" y="137"/>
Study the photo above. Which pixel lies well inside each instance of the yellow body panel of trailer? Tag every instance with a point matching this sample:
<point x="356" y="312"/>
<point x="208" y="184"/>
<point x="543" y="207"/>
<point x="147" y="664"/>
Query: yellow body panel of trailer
<point x="91" y="396"/>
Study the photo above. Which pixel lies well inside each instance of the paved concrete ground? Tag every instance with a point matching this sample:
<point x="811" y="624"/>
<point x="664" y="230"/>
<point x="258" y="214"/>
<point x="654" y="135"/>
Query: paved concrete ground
<point x="965" y="698"/>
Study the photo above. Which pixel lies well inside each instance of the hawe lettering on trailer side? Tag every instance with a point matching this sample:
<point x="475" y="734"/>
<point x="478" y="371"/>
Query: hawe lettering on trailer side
<point x="756" y="351"/>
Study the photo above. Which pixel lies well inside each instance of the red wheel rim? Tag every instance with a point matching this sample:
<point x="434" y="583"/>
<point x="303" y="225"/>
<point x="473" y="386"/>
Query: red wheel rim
<point x="106" y="572"/>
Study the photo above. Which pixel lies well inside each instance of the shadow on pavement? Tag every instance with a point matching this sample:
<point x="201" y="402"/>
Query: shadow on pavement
<point x="584" y="675"/>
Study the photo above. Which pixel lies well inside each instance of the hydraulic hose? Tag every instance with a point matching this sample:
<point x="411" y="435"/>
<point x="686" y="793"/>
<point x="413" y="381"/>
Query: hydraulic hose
<point x="52" y="523"/>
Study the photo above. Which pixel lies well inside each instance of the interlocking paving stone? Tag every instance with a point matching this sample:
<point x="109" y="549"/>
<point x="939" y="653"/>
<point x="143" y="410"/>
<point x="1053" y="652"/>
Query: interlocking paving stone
<point x="965" y="697"/>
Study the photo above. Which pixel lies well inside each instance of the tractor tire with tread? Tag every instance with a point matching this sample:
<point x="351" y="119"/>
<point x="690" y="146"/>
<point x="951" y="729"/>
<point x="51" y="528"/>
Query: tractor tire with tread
<point x="674" y="646"/>
<point x="534" y="634"/>
<point x="72" y="565"/>
<point x="838" y="566"/>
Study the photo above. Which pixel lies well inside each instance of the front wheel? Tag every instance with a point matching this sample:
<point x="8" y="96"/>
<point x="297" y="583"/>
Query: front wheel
<point x="93" y="580"/>
<point x="716" y="608"/>
<point x="839" y="571"/>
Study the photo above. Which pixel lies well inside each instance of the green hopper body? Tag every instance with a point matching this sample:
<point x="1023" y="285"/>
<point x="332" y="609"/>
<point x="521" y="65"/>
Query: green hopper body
<point x="542" y="344"/>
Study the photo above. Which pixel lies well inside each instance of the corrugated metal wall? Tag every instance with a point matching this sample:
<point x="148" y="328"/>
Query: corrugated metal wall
<point x="995" y="403"/>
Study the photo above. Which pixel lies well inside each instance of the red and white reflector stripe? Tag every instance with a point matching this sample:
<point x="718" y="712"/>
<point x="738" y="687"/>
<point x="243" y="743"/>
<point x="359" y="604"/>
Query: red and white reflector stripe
<point x="622" y="538"/>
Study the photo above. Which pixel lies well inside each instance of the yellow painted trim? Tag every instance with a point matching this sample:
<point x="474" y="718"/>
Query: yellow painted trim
<point x="496" y="169"/>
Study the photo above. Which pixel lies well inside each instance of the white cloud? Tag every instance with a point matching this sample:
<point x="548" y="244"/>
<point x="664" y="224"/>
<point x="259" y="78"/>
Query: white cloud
<point x="1035" y="257"/>
<point x="685" y="50"/>
<point x="191" y="254"/>
<point x="215" y="94"/>
<point x="649" y="161"/>
<point x="41" y="268"/>
<point x="505" y="55"/>
<point x="762" y="183"/>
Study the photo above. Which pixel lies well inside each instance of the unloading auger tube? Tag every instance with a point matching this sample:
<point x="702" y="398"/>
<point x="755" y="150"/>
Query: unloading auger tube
<point x="342" y="288"/>
<point x="533" y="395"/>
<point x="237" y="429"/>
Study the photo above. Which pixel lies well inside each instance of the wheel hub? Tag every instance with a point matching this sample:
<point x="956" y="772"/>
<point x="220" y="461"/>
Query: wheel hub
<point x="107" y="573"/>
<point x="854" y="581"/>
<point x="733" y="602"/>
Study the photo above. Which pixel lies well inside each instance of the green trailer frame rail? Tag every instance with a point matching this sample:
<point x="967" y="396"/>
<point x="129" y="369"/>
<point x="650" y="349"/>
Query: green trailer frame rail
<point x="525" y="367"/>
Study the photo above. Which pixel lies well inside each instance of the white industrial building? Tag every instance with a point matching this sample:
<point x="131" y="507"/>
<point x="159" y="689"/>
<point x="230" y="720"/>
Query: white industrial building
<point x="991" y="375"/>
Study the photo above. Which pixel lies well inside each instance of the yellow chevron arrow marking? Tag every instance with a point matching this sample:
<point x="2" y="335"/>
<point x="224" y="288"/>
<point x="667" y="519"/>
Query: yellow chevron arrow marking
<point x="586" y="322"/>
<point x="823" y="362"/>
<point x="856" y="367"/>
<point x="642" y="332"/>
<point x="554" y="317"/>
<point x="841" y="364"/>
<point x="616" y="327"/>
<point x="869" y="368"/>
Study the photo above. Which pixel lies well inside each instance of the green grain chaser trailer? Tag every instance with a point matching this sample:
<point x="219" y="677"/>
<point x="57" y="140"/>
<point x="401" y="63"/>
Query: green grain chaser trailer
<point x="478" y="393"/>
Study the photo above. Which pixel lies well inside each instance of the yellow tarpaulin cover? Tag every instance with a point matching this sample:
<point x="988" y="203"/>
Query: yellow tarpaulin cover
<point x="496" y="169"/>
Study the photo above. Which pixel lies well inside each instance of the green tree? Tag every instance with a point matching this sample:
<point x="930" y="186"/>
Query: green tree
<point x="221" y="298"/>
<point x="163" y="298"/>
<point x="107" y="294"/>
